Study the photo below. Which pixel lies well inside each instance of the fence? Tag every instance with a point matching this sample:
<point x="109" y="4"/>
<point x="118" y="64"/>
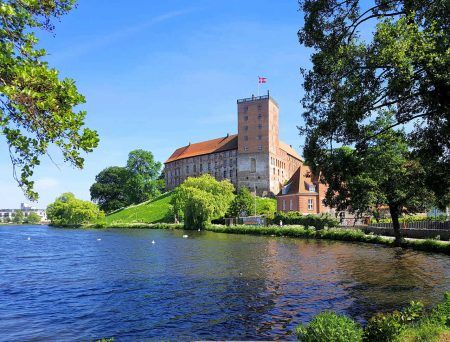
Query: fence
<point x="435" y="225"/>
<point x="418" y="229"/>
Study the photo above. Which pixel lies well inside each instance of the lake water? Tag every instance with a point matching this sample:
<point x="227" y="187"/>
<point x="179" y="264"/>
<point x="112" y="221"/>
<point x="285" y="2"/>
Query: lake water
<point x="66" y="284"/>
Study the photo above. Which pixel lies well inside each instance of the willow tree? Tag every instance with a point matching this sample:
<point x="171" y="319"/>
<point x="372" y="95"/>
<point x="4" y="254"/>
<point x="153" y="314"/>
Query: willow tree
<point x="370" y="59"/>
<point x="36" y="105"/>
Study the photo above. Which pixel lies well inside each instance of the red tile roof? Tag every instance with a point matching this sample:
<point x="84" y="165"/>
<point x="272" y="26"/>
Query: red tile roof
<point x="229" y="142"/>
<point x="299" y="182"/>
<point x="289" y="150"/>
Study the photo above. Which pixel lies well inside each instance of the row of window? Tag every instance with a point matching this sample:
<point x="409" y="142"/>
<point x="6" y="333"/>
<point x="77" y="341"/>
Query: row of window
<point x="259" y="126"/>
<point x="259" y="117"/>
<point x="260" y="148"/>
<point x="291" y="204"/>
<point x="246" y="137"/>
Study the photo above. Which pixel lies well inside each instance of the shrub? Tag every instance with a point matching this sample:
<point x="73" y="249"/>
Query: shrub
<point x="317" y="221"/>
<point x="388" y="327"/>
<point x="330" y="327"/>
<point x="68" y="210"/>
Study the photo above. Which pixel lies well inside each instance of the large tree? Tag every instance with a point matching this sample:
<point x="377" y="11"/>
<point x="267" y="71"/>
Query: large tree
<point x="375" y="57"/>
<point x="384" y="173"/>
<point x="36" y="106"/>
<point x="138" y="181"/>
<point x="144" y="171"/>
<point x="202" y="199"/>
<point x="109" y="190"/>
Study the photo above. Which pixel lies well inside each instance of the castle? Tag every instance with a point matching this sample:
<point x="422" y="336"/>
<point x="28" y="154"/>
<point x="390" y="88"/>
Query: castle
<point x="255" y="158"/>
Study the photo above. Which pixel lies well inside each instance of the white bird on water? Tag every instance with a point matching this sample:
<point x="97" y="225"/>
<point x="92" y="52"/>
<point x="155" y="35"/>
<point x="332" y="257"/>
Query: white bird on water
<point x="185" y="236"/>
<point x="29" y="239"/>
<point x="99" y="239"/>
<point x="153" y="242"/>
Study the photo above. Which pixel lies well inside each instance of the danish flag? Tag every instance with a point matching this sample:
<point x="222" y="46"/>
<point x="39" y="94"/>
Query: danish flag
<point x="262" y="79"/>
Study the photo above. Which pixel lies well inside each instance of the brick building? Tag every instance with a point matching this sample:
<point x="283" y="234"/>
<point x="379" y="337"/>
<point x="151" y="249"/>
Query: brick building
<point x="255" y="157"/>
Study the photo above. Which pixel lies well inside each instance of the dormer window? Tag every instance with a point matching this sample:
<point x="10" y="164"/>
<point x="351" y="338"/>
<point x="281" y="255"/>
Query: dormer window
<point x="312" y="188"/>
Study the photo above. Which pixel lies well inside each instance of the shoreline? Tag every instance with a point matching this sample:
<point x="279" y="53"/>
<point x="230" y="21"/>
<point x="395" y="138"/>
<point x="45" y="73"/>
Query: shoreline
<point x="333" y="234"/>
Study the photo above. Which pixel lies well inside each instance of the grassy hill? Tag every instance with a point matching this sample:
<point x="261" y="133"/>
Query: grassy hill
<point x="152" y="211"/>
<point x="157" y="210"/>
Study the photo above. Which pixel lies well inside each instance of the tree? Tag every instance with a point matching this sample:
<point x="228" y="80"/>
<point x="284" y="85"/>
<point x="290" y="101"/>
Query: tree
<point x="18" y="216"/>
<point x="36" y="107"/>
<point x="384" y="173"/>
<point x="389" y="56"/>
<point x="116" y="187"/>
<point x="243" y="203"/>
<point x="109" y="190"/>
<point x="70" y="211"/>
<point x="144" y="171"/>
<point x="33" y="218"/>
<point x="202" y="199"/>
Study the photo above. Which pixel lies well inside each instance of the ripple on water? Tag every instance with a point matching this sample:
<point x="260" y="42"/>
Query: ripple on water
<point x="64" y="284"/>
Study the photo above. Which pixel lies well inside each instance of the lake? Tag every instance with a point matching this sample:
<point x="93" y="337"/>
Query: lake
<point x="68" y="284"/>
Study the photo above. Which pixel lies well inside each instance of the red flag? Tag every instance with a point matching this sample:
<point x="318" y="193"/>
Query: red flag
<point x="262" y="79"/>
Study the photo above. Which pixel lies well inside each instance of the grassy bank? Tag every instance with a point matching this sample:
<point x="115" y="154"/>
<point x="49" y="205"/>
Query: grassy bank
<point x="413" y="323"/>
<point x="336" y="234"/>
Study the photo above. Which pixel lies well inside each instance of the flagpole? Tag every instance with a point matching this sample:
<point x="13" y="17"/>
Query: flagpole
<point x="258" y="86"/>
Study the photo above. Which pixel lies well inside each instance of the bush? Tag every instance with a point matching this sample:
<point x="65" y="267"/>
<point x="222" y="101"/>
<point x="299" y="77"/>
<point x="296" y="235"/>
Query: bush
<point x="70" y="211"/>
<point x="317" y="221"/>
<point x="388" y="327"/>
<point x="330" y="327"/>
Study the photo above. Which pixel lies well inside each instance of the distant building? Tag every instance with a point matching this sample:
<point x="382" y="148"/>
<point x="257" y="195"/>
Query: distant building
<point x="255" y="157"/>
<point x="27" y="209"/>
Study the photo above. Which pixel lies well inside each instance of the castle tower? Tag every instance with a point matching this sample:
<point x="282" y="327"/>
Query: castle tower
<point x="257" y="141"/>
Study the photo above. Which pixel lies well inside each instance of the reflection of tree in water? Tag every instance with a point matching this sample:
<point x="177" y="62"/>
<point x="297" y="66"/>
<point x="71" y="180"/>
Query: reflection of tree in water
<point x="384" y="279"/>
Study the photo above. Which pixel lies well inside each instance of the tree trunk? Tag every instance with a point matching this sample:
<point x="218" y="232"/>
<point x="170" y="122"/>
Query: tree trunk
<point x="396" y="224"/>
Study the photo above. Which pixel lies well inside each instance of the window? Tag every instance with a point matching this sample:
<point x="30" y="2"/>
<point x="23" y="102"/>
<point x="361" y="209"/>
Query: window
<point x="252" y="165"/>
<point x="273" y="170"/>
<point x="245" y="148"/>
<point x="246" y="137"/>
<point x="225" y="174"/>
<point x="201" y="167"/>
<point x="187" y="168"/>
<point x="260" y="116"/>
<point x="259" y="137"/>
<point x="246" y="118"/>
<point x="310" y="204"/>
<point x="291" y="205"/>
<point x="195" y="168"/>
<point x="284" y="204"/>
<point x="246" y="109"/>
<point x="225" y="162"/>
<point x="259" y="147"/>
<point x="259" y="126"/>
<point x="209" y="166"/>
<point x="312" y="188"/>
<point x="245" y="128"/>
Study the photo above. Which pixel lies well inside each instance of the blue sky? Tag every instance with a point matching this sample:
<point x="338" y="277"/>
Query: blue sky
<point x="158" y="74"/>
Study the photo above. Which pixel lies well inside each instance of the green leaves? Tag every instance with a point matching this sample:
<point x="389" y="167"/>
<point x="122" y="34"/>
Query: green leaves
<point x="36" y="107"/>
<point x="70" y="211"/>
<point x="202" y="199"/>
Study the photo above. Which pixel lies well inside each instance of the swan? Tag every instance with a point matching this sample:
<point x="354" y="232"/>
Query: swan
<point x="153" y="242"/>
<point x="185" y="236"/>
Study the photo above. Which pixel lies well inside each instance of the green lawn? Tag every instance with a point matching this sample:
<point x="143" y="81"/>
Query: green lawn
<point x="152" y="211"/>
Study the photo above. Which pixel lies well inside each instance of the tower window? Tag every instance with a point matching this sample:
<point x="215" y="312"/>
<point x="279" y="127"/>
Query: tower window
<point x="260" y="148"/>
<point x="259" y="137"/>
<point x="245" y="148"/>
<point x="246" y="138"/>
<point x="246" y="118"/>
<point x="259" y="116"/>
<point x="252" y="165"/>
<point x="259" y="126"/>
<point x="246" y="128"/>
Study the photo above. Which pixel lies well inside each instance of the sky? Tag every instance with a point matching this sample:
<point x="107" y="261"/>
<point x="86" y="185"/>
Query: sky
<point x="160" y="74"/>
